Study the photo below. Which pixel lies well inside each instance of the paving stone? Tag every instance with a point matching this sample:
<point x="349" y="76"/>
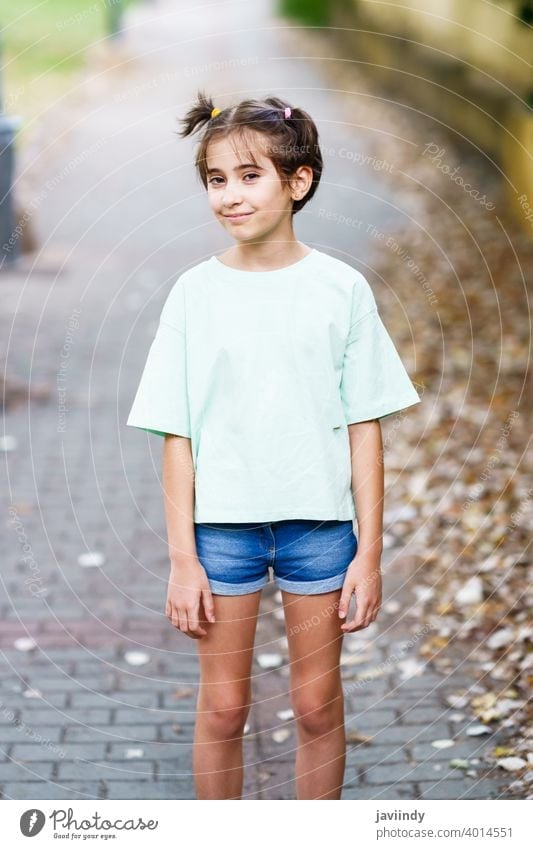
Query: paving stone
<point x="150" y="790"/>
<point x="375" y="754"/>
<point x="361" y="791"/>
<point x="80" y="655"/>
<point x="162" y="716"/>
<point x="473" y="748"/>
<point x="159" y="751"/>
<point x="18" y="734"/>
<point x="111" y="733"/>
<point x="30" y="772"/>
<point x="358" y="703"/>
<point x="444" y="789"/>
<point x="13" y="701"/>
<point x="407" y="772"/>
<point x="127" y="685"/>
<point x="51" y="790"/>
<point x="419" y="715"/>
<point x="453" y="790"/>
<point x="371" y="719"/>
<point x="179" y="768"/>
<point x="94" y="667"/>
<point x="71" y="684"/>
<point x="107" y="770"/>
<point x="170" y="702"/>
<point x="40" y="716"/>
<point x="405" y="734"/>
<point x="9" y="717"/>
<point x="276" y="786"/>
<point x="427" y="683"/>
<point x="183" y="735"/>
<point x="60" y="752"/>
<point x="114" y="699"/>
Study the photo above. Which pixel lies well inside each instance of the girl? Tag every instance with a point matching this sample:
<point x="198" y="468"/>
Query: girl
<point x="267" y="377"/>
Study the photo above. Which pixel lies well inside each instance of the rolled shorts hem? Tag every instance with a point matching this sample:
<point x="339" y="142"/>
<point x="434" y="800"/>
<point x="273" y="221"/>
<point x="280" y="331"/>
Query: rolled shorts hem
<point x="311" y="587"/>
<point x="225" y="588"/>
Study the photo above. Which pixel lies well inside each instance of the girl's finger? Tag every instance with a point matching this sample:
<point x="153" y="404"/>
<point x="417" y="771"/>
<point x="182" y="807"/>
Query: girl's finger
<point x="174" y="616"/>
<point x="194" y="623"/>
<point x="361" y="612"/>
<point x="183" y="623"/>
<point x="209" y="605"/>
<point x="344" y="601"/>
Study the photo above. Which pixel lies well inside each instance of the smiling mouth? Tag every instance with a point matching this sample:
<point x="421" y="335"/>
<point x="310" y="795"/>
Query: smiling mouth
<point x="238" y="216"/>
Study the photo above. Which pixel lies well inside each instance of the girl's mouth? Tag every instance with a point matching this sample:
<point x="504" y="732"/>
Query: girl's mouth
<point x="236" y="218"/>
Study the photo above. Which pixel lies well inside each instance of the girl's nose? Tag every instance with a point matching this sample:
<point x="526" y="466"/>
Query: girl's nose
<point x="231" y="194"/>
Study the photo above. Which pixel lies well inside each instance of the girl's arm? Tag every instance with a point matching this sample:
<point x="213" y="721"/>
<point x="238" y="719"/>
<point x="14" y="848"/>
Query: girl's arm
<point x="364" y="573"/>
<point x="188" y="584"/>
<point x="178" y="485"/>
<point x="366" y="449"/>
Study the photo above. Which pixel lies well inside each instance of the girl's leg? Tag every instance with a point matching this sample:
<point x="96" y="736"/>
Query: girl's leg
<point x="315" y="641"/>
<point x="224" y="698"/>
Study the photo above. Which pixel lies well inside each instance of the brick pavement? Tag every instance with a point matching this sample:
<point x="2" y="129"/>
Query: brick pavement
<point x="76" y="720"/>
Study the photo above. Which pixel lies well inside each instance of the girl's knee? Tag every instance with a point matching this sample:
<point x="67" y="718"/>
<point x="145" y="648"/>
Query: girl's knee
<point x="226" y="715"/>
<point x="316" y="716"/>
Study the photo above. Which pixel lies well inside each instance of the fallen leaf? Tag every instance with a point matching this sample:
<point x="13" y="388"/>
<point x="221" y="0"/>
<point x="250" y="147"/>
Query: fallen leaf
<point x="32" y="694"/>
<point x="501" y="751"/>
<point x="91" y="558"/>
<point x="353" y="736"/>
<point x="443" y="744"/>
<point x="184" y="693"/>
<point x="269" y="661"/>
<point x="471" y="592"/>
<point x="477" y="730"/>
<point x="136" y="658"/>
<point x="285" y="714"/>
<point x="500" y="638"/>
<point x="280" y="735"/>
<point x="24" y="644"/>
<point x="512" y="764"/>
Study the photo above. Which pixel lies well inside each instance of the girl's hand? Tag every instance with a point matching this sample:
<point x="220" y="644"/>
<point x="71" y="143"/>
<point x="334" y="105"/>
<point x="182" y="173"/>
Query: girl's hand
<point x="188" y="587"/>
<point x="363" y="577"/>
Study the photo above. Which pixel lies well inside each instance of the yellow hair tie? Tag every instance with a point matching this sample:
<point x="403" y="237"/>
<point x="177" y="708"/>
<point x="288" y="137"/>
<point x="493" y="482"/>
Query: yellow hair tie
<point x="215" y="112"/>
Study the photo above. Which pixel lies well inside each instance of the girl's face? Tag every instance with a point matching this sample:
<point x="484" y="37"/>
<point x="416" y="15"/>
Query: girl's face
<point x="250" y="201"/>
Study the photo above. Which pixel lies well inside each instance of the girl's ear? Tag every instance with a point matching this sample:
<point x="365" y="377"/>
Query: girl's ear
<point x="300" y="182"/>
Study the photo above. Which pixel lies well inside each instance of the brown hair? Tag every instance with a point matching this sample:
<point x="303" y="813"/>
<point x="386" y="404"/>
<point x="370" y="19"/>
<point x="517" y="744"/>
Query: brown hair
<point x="289" y="142"/>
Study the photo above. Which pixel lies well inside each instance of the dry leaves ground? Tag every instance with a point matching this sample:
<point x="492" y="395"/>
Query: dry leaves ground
<point x="460" y="469"/>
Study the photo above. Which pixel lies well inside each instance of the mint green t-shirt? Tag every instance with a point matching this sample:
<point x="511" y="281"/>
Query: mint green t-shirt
<point x="264" y="371"/>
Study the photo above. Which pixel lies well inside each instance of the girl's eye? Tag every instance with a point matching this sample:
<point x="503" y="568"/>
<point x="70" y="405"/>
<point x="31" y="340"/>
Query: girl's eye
<point x="213" y="179"/>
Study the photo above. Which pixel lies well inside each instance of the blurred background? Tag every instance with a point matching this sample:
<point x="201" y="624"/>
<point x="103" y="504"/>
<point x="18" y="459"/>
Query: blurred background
<point x="426" y="127"/>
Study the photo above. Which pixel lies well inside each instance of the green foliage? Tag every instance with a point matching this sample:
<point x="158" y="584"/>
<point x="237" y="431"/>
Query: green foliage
<point x="312" y="12"/>
<point x="525" y="11"/>
<point x="44" y="45"/>
<point x="49" y="36"/>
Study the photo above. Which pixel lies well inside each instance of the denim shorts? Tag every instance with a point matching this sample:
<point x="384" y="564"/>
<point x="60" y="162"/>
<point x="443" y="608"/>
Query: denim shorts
<point x="306" y="555"/>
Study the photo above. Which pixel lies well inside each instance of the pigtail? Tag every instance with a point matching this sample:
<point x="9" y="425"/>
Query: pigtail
<point x="198" y="115"/>
<point x="278" y="104"/>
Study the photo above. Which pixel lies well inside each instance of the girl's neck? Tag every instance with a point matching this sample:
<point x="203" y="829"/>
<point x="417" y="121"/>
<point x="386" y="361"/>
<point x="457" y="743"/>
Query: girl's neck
<point x="264" y="257"/>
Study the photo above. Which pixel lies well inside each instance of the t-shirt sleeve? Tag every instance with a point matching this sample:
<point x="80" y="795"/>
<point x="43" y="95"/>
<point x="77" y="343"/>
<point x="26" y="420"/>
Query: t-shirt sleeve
<point x="374" y="381"/>
<point x="161" y="403"/>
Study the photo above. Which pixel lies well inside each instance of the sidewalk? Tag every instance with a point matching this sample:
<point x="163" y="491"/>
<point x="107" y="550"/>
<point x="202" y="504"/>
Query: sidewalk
<point x="97" y="690"/>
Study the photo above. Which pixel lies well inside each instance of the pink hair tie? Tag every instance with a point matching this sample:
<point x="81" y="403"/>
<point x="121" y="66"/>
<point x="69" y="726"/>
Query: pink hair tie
<point x="288" y="112"/>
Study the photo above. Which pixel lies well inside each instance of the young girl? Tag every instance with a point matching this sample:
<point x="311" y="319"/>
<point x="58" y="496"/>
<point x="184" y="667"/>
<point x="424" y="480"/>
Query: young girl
<point x="267" y="377"/>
